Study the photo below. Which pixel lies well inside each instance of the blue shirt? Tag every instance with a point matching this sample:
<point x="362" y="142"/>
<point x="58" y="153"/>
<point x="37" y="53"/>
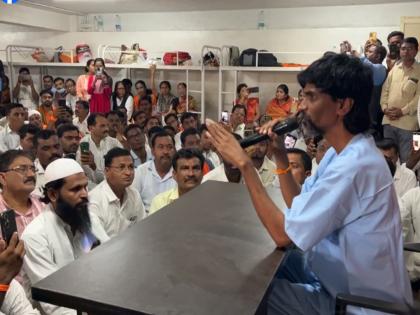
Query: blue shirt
<point x="347" y="221"/>
<point x="378" y="70"/>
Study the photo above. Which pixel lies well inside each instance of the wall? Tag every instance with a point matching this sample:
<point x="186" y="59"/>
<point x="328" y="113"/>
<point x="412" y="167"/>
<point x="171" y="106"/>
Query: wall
<point x="310" y="30"/>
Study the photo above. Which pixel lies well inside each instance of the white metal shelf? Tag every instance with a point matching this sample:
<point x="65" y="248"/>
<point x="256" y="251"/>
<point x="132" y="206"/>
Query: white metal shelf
<point x="263" y="69"/>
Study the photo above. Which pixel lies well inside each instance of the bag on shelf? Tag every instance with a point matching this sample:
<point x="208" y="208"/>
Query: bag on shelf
<point x="39" y="55"/>
<point x="170" y="58"/>
<point x="210" y="59"/>
<point x="136" y="55"/>
<point x="233" y="57"/>
<point x="248" y="58"/>
<point x="83" y="53"/>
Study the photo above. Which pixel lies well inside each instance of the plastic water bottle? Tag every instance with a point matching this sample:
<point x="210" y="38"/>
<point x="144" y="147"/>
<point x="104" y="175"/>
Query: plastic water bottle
<point x="118" y="27"/>
<point x="261" y="20"/>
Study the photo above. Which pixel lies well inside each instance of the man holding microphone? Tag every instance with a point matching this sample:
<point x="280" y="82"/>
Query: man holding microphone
<point x="345" y="219"/>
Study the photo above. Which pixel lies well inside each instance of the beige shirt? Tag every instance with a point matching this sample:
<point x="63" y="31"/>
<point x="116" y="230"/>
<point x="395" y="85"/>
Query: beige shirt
<point x="266" y="172"/>
<point x="401" y="90"/>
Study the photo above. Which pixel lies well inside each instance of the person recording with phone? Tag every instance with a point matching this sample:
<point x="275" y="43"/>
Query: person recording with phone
<point x="395" y="40"/>
<point x="345" y="220"/>
<point x="101" y="89"/>
<point x="25" y="91"/>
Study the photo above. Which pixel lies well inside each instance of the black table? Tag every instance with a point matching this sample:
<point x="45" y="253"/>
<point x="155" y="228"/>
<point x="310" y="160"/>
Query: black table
<point x="206" y="253"/>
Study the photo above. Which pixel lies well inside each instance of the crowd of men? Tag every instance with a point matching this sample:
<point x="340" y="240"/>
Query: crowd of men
<point x="78" y="178"/>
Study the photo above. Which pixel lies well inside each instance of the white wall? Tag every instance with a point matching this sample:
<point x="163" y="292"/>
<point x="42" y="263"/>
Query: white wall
<point x="314" y="29"/>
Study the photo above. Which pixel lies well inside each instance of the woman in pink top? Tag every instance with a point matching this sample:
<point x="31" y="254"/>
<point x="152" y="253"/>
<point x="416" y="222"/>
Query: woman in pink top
<point x="85" y="80"/>
<point x="17" y="179"/>
<point x="100" y="89"/>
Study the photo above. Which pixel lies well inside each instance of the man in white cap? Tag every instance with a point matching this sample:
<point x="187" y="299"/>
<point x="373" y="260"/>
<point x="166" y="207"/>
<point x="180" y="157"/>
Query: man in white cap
<point x="64" y="231"/>
<point x="35" y="118"/>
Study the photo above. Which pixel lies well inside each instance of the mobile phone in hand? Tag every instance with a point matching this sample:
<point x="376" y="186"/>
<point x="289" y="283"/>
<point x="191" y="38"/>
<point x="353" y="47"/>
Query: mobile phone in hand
<point x="416" y="141"/>
<point x="84" y="147"/>
<point x="8" y="225"/>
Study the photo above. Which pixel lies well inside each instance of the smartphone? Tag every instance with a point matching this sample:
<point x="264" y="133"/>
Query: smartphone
<point x="84" y="147"/>
<point x="416" y="141"/>
<point x="254" y="89"/>
<point x="394" y="51"/>
<point x="62" y="103"/>
<point x="8" y="224"/>
<point x="290" y="141"/>
<point x="225" y="116"/>
<point x="99" y="71"/>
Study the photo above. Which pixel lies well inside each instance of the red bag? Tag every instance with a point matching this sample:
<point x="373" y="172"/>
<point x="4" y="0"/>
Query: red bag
<point x="170" y="58"/>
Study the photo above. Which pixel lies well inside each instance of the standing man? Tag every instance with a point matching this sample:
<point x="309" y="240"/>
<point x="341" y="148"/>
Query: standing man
<point x="114" y="201"/>
<point x="400" y="96"/>
<point x="187" y="171"/>
<point x="9" y="136"/>
<point x="345" y="220"/>
<point x="156" y="176"/>
<point x="64" y="231"/>
<point x="395" y="40"/>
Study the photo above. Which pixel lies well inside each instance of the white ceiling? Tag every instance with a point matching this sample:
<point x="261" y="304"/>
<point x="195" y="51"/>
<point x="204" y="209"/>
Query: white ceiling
<point x="122" y="6"/>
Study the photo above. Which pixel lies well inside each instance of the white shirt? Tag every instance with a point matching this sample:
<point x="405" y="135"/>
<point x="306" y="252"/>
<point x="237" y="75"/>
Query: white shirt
<point x="114" y="216"/>
<point x="266" y="172"/>
<point x="25" y="97"/>
<point x="177" y="138"/>
<point x="83" y="127"/>
<point x="105" y="145"/>
<point x="40" y="179"/>
<point x="240" y="130"/>
<point x="129" y="105"/>
<point x="404" y="179"/>
<point x="51" y="245"/>
<point x="9" y="140"/>
<point x="217" y="174"/>
<point x="212" y="157"/>
<point x="136" y="159"/>
<point x="149" y="183"/>
<point x="410" y="217"/>
<point x="16" y="302"/>
<point x="71" y="101"/>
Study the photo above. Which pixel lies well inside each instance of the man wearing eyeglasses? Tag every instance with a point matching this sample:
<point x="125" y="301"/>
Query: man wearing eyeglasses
<point x="17" y="180"/>
<point x="113" y="201"/>
<point x="9" y="136"/>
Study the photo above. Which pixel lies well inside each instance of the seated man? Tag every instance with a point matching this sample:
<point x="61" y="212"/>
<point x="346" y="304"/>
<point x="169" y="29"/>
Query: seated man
<point x="190" y="139"/>
<point x="9" y="136"/>
<point x="99" y="144"/>
<point x="207" y="148"/>
<point x="156" y="176"/>
<point x="17" y="181"/>
<point x="188" y="120"/>
<point x="116" y="127"/>
<point x="262" y="163"/>
<point x="114" y="201"/>
<point x="172" y="120"/>
<point x="69" y="137"/>
<point x="14" y="300"/>
<point x="64" y="231"/>
<point x="26" y="135"/>
<point x="47" y="149"/>
<point x="136" y="140"/>
<point x="187" y="171"/>
<point x="82" y="113"/>
<point x="404" y="178"/>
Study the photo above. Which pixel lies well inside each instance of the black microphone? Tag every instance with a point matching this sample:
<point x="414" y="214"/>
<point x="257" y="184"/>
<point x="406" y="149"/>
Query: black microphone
<point x="281" y="128"/>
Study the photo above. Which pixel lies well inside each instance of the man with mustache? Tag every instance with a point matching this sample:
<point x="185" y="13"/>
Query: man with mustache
<point x="345" y="220"/>
<point x="9" y="136"/>
<point x="99" y="143"/>
<point x="69" y="137"/>
<point x="64" y="231"/>
<point x="47" y="149"/>
<point x="46" y="109"/>
<point x="156" y="176"/>
<point x="17" y="181"/>
<point x="187" y="171"/>
<point x="114" y="201"/>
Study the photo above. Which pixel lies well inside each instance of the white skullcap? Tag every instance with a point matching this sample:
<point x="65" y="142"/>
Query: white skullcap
<point x="33" y="112"/>
<point x="61" y="168"/>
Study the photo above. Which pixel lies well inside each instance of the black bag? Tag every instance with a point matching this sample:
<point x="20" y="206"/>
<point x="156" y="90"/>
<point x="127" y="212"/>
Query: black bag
<point x="249" y="56"/>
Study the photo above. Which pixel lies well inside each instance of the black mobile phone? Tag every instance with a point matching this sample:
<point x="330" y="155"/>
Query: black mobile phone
<point x="394" y="51"/>
<point x="62" y="103"/>
<point x="8" y="224"/>
<point x="84" y="147"/>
